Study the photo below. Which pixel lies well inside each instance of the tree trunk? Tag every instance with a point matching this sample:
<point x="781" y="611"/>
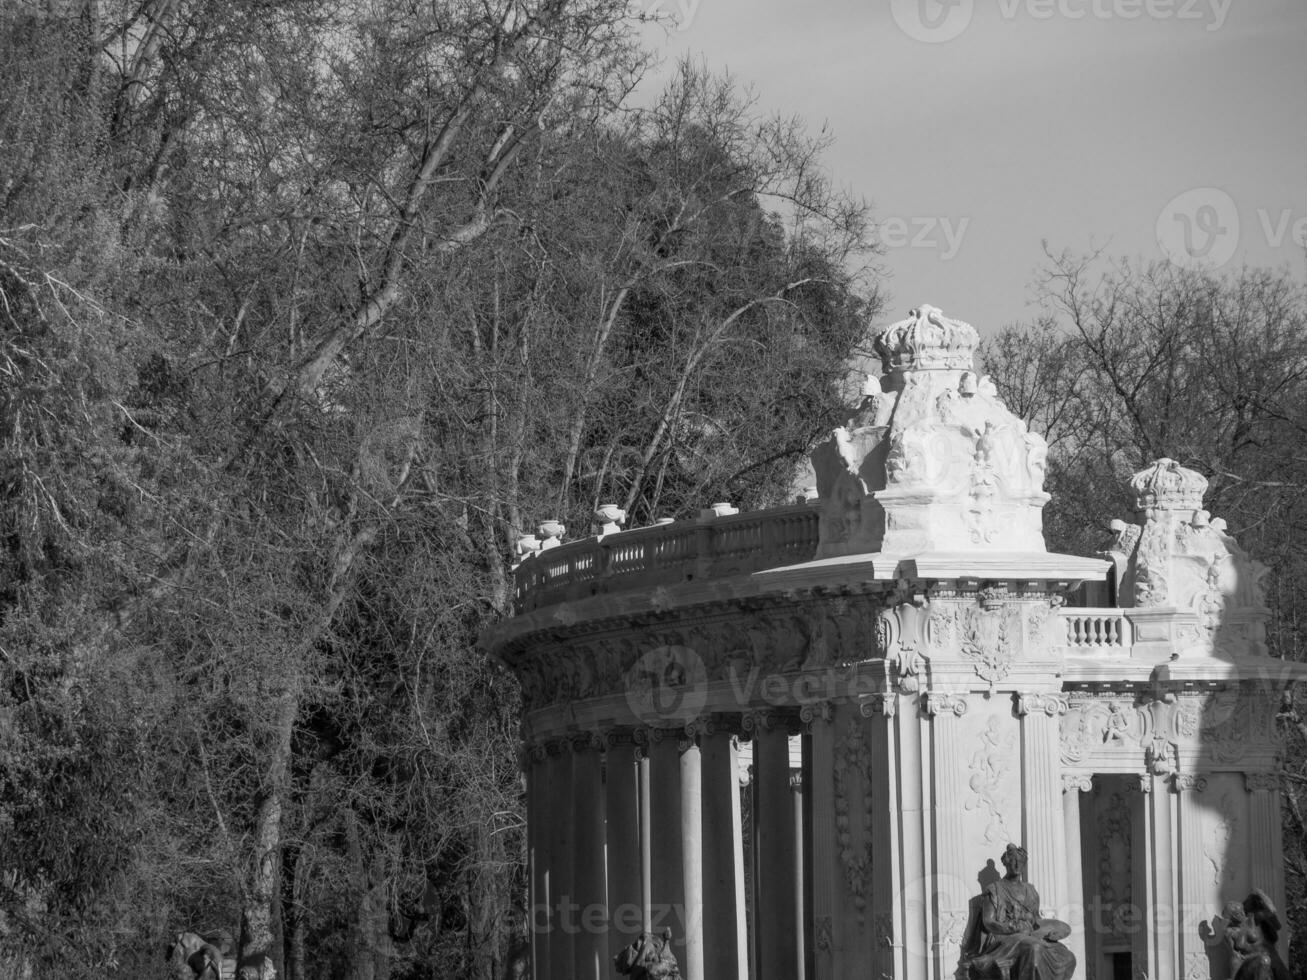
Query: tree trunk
<point x="260" y="948"/>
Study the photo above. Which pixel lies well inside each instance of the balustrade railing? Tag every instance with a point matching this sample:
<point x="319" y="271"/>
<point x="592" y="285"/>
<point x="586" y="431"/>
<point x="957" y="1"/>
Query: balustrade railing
<point x="666" y="554"/>
<point x="1090" y="629"/>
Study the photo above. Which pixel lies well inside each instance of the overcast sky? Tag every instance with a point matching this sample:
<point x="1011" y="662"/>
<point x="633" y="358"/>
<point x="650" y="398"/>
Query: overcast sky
<point x="980" y="128"/>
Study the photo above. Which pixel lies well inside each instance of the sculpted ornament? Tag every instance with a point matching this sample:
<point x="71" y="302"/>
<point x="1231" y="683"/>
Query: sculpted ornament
<point x="987" y="640"/>
<point x="1052" y="705"/>
<point x="988" y="781"/>
<point x="1156" y="727"/>
<point x="853" y="771"/>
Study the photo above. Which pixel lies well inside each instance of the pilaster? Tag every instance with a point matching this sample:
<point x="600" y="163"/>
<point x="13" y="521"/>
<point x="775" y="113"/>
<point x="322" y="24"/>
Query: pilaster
<point x="1045" y="829"/>
<point x="1196" y="903"/>
<point x="953" y="886"/>
<point x="1267" y="851"/>
<point x="1073" y="785"/>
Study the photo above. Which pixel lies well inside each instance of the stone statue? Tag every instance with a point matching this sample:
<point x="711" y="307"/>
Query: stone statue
<point x="195" y="957"/>
<point x="1252" y="930"/>
<point x="649" y="958"/>
<point x="1011" y="941"/>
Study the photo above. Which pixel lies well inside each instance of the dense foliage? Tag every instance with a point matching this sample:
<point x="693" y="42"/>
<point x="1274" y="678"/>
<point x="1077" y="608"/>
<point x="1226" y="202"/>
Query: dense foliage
<point x="306" y="311"/>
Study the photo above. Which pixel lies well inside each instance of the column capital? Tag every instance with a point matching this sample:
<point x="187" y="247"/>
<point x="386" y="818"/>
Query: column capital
<point x="754" y="723"/>
<point x="940" y="703"/>
<point x="1143" y="782"/>
<point x="616" y="738"/>
<point x="1188" y="782"/>
<point x="885" y="704"/>
<point x="1077" y="782"/>
<point x="1261" y="782"/>
<point x="1047" y="702"/>
<point x="580" y="742"/>
<point x="796" y="780"/>
<point x="816" y="712"/>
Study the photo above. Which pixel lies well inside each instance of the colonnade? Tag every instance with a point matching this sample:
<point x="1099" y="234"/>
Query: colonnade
<point x="640" y="829"/>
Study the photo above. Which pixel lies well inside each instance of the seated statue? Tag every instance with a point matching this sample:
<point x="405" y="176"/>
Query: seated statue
<point x="195" y="957"/>
<point x="1252" y="930"/>
<point x="649" y="958"/>
<point x="1011" y="941"/>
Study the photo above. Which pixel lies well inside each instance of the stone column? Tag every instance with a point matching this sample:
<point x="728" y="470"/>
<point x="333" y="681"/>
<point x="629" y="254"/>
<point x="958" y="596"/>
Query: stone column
<point x="952" y="885"/>
<point x="1042" y="798"/>
<point x="668" y="873"/>
<point x="537" y="831"/>
<point x="643" y="767"/>
<point x="802" y="940"/>
<point x="1162" y="864"/>
<point x="589" y="877"/>
<point x="881" y="938"/>
<point x="1265" y="835"/>
<point x="622" y="822"/>
<point x="692" y="854"/>
<point x="1195" y="901"/>
<point x="1073" y="784"/>
<point x="823" y="874"/>
<point x="726" y="944"/>
<point x="775" y="886"/>
<point x="913" y="933"/>
<point x="561" y="861"/>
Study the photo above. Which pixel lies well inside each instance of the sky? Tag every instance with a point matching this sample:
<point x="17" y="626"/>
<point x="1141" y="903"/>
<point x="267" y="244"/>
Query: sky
<point x="981" y="129"/>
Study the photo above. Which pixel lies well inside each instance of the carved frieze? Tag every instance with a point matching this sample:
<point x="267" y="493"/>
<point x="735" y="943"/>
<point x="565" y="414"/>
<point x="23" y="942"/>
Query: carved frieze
<point x="1157" y="726"/>
<point x="817" y="635"/>
<point x="1115" y="861"/>
<point x="853" y="807"/>
<point x="991" y="793"/>
<point x="884" y="928"/>
<point x="1216" y="842"/>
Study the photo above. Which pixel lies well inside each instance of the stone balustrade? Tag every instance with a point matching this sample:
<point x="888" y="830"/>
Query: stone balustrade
<point x="667" y="554"/>
<point x="1091" y="630"/>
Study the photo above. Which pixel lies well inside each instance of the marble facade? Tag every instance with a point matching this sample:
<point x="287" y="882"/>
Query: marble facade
<point x="898" y="657"/>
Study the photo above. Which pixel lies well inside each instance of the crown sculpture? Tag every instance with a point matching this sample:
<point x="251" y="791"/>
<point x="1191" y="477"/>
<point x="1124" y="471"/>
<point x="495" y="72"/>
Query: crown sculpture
<point x="931" y="460"/>
<point x="1179" y="561"/>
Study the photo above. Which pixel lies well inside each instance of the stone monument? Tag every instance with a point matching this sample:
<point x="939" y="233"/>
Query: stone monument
<point x="898" y="658"/>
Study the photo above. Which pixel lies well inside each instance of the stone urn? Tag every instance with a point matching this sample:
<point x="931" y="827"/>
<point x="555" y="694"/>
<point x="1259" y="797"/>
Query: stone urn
<point x="610" y="518"/>
<point x="720" y="509"/>
<point x="551" y="533"/>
